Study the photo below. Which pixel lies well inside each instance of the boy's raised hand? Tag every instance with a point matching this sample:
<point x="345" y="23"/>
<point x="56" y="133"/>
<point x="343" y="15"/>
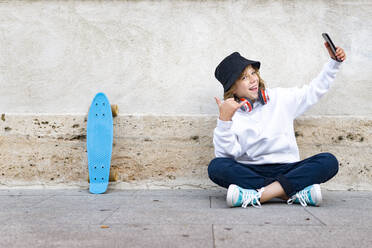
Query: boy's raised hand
<point x="228" y="108"/>
<point x="340" y="54"/>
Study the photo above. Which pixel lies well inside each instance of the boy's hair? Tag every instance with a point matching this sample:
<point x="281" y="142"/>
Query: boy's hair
<point x="261" y="84"/>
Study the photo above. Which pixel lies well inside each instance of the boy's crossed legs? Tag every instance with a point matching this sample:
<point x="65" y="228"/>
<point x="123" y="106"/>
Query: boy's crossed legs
<point x="294" y="182"/>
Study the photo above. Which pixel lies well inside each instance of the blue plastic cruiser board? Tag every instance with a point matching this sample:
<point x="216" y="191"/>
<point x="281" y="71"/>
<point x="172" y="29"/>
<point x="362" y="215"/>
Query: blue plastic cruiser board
<point x="99" y="143"/>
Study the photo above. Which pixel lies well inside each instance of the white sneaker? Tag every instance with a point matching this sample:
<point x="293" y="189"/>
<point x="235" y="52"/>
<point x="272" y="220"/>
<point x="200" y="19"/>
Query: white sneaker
<point x="310" y="195"/>
<point x="237" y="196"/>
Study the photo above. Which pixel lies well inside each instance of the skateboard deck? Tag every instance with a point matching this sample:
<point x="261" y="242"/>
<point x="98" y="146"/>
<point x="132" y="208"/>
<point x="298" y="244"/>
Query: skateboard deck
<point x="99" y="143"/>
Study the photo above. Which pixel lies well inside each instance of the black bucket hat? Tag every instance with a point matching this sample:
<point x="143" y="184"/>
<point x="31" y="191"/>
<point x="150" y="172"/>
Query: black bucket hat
<point x="230" y="68"/>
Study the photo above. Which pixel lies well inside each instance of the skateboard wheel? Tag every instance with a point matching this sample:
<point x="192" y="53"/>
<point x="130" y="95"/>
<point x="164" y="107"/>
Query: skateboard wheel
<point x="114" y="110"/>
<point x="113" y="176"/>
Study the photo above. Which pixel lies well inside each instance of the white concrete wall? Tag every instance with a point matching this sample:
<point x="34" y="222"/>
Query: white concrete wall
<point x="158" y="57"/>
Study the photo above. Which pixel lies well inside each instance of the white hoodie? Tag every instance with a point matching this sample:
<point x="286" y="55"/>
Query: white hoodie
<point x="266" y="135"/>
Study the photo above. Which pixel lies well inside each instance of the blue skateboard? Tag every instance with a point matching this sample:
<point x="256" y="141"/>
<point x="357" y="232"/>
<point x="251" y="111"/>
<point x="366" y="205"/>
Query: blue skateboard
<point x="99" y="143"/>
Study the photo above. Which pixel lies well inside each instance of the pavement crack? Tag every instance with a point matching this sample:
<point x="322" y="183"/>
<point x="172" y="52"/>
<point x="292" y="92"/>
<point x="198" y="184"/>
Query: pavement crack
<point x="109" y="215"/>
<point x="214" y="242"/>
<point x="324" y="224"/>
<point x="48" y="198"/>
<point x="210" y="201"/>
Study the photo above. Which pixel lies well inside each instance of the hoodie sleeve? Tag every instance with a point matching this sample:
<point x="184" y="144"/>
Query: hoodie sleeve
<point x="226" y="143"/>
<point x="301" y="99"/>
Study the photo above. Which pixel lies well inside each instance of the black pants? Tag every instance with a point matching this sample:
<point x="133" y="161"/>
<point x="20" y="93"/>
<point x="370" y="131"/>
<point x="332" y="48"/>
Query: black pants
<point x="293" y="177"/>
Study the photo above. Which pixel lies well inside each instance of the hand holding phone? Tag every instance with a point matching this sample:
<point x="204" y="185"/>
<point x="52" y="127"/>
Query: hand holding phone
<point x="332" y="47"/>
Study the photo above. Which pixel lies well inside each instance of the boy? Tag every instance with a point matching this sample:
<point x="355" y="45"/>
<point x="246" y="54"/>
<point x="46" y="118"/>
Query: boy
<point x="257" y="156"/>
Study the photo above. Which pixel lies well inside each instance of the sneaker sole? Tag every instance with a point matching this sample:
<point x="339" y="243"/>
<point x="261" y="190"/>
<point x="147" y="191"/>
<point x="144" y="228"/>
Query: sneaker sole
<point x="318" y="195"/>
<point x="232" y="193"/>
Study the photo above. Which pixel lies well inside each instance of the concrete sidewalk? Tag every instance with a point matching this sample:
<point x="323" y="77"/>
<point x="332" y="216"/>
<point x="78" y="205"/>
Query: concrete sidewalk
<point x="178" y="218"/>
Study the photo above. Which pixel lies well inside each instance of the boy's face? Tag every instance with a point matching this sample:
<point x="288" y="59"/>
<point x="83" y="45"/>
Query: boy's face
<point x="247" y="84"/>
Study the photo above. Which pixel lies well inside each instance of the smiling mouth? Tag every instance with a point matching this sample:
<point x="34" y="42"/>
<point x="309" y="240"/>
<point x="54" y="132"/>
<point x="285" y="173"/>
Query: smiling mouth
<point x="254" y="88"/>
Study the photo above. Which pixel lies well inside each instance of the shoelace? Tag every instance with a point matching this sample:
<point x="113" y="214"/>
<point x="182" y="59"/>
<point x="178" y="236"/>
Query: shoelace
<point x="250" y="198"/>
<point x="302" y="196"/>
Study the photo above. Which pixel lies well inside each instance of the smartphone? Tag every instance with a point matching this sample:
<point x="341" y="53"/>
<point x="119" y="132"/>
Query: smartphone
<point x="333" y="47"/>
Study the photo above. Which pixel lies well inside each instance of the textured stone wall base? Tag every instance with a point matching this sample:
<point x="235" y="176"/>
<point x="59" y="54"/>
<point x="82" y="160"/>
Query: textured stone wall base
<point x="160" y="151"/>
